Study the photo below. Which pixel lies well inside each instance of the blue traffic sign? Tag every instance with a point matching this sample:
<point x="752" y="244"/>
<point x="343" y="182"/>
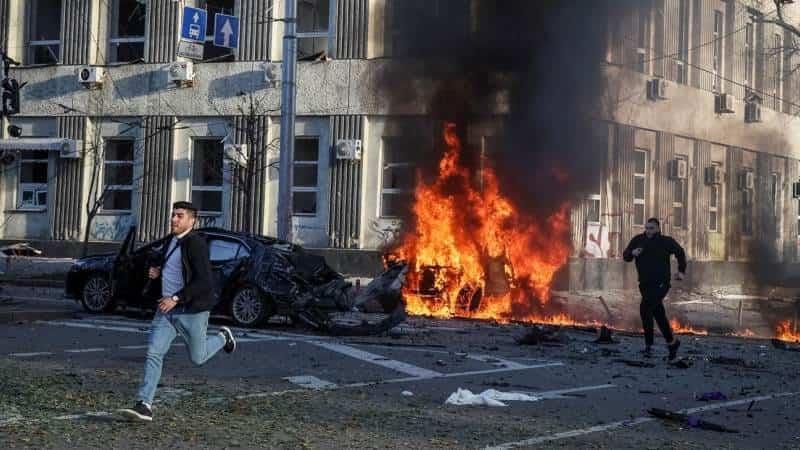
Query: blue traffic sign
<point x="193" y="26"/>
<point x="226" y="31"/>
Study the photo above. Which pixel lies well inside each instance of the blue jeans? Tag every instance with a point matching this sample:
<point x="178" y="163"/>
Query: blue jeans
<point x="193" y="327"/>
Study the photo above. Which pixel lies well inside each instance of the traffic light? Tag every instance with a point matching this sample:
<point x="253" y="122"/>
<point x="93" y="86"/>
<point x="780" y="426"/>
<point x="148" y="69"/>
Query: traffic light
<point x="11" y="96"/>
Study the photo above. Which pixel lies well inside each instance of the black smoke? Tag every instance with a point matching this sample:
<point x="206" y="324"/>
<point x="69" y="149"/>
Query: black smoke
<point x="541" y="60"/>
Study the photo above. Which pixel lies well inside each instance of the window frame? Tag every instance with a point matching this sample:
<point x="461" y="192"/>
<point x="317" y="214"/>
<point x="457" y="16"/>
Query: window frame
<point x="116" y="40"/>
<point x="391" y="191"/>
<point x="684" y="33"/>
<point x="643" y="176"/>
<point x="594" y="198"/>
<point x="682" y="201"/>
<point x="118" y="187"/>
<point x="749" y="55"/>
<point x="717" y="51"/>
<point x="208" y="188"/>
<point x="208" y="41"/>
<point x="328" y="33"/>
<point x="713" y="207"/>
<point x="306" y="163"/>
<point x="747" y="210"/>
<point x="37" y="188"/>
<point x="643" y="39"/>
<point x="34" y="43"/>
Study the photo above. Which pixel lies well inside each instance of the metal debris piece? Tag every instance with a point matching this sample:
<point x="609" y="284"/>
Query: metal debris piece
<point x="692" y="421"/>
<point x="539" y="334"/>
<point x="726" y="361"/>
<point x="634" y="363"/>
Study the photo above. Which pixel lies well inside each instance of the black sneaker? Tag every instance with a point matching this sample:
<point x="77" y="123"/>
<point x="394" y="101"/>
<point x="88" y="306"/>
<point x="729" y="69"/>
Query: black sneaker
<point x="230" y="342"/>
<point x="140" y="411"/>
<point x="673" y="349"/>
<point x="647" y="352"/>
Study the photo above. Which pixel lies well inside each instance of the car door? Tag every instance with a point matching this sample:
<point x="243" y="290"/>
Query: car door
<point x="226" y="255"/>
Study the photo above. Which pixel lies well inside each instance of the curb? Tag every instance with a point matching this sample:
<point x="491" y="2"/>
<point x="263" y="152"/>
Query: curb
<point x="29" y="316"/>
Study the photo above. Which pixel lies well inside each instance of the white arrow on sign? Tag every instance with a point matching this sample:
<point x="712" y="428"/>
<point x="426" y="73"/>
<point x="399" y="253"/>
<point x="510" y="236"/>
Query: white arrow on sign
<point x="196" y="17"/>
<point x="226" y="31"/>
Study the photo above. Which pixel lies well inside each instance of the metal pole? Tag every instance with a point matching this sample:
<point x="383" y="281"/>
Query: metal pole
<point x="288" y="109"/>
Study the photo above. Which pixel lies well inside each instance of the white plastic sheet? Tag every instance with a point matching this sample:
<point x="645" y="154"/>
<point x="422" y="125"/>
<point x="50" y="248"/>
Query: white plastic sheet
<point x="488" y="397"/>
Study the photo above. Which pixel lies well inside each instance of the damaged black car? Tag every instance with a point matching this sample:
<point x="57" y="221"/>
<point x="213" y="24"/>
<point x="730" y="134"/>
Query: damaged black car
<point x="256" y="278"/>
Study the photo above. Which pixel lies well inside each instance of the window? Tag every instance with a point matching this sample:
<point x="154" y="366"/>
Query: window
<point x="639" y="187"/>
<point x="127" y="23"/>
<point x="313" y="17"/>
<point x="33" y="179"/>
<point x="679" y="201"/>
<point x="44" y="42"/>
<point x="593" y="208"/>
<point x="775" y="195"/>
<point x="747" y="211"/>
<point x="713" y="205"/>
<point x="397" y="177"/>
<point x="304" y="176"/>
<point x="223" y="250"/>
<point x="118" y="175"/>
<point x="749" y="55"/>
<point x="716" y="83"/>
<point x="777" y="79"/>
<point x="207" y="175"/>
<point x="683" y="42"/>
<point x="211" y="51"/>
<point x="643" y="38"/>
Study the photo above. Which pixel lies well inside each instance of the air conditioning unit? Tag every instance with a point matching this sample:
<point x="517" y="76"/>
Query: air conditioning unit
<point x="91" y="76"/>
<point x="236" y="153"/>
<point x="752" y="112"/>
<point x="271" y="74"/>
<point x="714" y="175"/>
<point x="657" y="89"/>
<point x="747" y="180"/>
<point x="796" y="190"/>
<point x="181" y="72"/>
<point x="348" y="149"/>
<point x="678" y="169"/>
<point x="70" y="149"/>
<point x="724" y="104"/>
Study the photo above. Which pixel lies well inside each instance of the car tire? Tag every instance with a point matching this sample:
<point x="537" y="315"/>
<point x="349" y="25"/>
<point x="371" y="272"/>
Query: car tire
<point x="249" y="308"/>
<point x="96" y="294"/>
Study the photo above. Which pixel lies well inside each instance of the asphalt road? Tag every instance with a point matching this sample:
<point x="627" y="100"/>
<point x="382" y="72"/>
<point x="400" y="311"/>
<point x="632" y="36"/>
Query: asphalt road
<point x="63" y="379"/>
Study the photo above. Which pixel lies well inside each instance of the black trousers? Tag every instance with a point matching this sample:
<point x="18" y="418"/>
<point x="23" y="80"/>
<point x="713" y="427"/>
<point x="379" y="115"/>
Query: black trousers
<point x="652" y="307"/>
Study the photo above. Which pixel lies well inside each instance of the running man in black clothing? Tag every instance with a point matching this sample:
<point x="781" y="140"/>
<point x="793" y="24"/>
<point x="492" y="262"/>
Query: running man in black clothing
<point x="652" y="252"/>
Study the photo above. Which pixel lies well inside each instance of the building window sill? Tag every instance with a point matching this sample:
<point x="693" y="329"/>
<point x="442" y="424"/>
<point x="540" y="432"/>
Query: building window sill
<point x="25" y="210"/>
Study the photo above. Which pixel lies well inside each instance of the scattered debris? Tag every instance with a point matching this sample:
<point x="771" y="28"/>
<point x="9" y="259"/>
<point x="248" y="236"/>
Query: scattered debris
<point x="709" y="396"/>
<point x="440" y="363"/>
<point x="489" y="397"/>
<point x="539" y="334"/>
<point x="21" y="249"/>
<point x="781" y="345"/>
<point x="681" y="363"/>
<point x="606" y="352"/>
<point x="407" y="394"/>
<point x="605" y="336"/>
<point x="634" y="363"/>
<point x="691" y="421"/>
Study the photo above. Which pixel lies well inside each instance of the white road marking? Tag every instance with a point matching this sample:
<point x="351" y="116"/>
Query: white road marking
<point x="498" y="362"/>
<point x="78" y="324"/>
<point x="636" y="421"/>
<point x="26" y="355"/>
<point x="85" y="350"/>
<point x="311" y="382"/>
<point x="133" y="347"/>
<point x="564" y="393"/>
<point x="379" y="360"/>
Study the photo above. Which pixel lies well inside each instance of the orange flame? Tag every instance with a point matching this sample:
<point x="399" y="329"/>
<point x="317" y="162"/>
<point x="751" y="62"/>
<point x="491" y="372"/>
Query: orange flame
<point x="473" y="254"/>
<point x="679" y="328"/>
<point x="784" y="332"/>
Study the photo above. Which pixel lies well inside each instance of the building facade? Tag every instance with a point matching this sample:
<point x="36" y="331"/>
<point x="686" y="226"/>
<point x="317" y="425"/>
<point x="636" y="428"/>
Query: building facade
<point x="699" y="127"/>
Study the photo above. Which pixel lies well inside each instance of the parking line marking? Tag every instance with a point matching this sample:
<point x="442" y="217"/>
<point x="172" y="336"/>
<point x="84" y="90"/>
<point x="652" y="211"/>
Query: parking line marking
<point x="379" y="360"/>
<point x="311" y="382"/>
<point x="133" y="347"/>
<point x="632" y="422"/>
<point x="85" y="350"/>
<point x="26" y="355"/>
<point x="564" y="393"/>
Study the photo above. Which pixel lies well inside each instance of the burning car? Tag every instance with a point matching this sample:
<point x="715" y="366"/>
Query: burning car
<point x="256" y="277"/>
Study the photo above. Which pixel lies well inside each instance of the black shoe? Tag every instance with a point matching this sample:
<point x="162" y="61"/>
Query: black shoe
<point x="647" y="352"/>
<point x="673" y="349"/>
<point x="230" y="342"/>
<point x="140" y="411"/>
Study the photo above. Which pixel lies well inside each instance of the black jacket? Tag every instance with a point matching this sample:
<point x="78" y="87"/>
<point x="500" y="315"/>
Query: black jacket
<point x="197" y="294"/>
<point x="653" y="264"/>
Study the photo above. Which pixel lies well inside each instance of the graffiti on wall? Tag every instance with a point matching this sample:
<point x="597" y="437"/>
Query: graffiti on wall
<point x="111" y="228"/>
<point x="386" y="231"/>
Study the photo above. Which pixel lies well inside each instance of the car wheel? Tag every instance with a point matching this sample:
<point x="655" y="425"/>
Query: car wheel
<point x="249" y="308"/>
<point x="96" y="295"/>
